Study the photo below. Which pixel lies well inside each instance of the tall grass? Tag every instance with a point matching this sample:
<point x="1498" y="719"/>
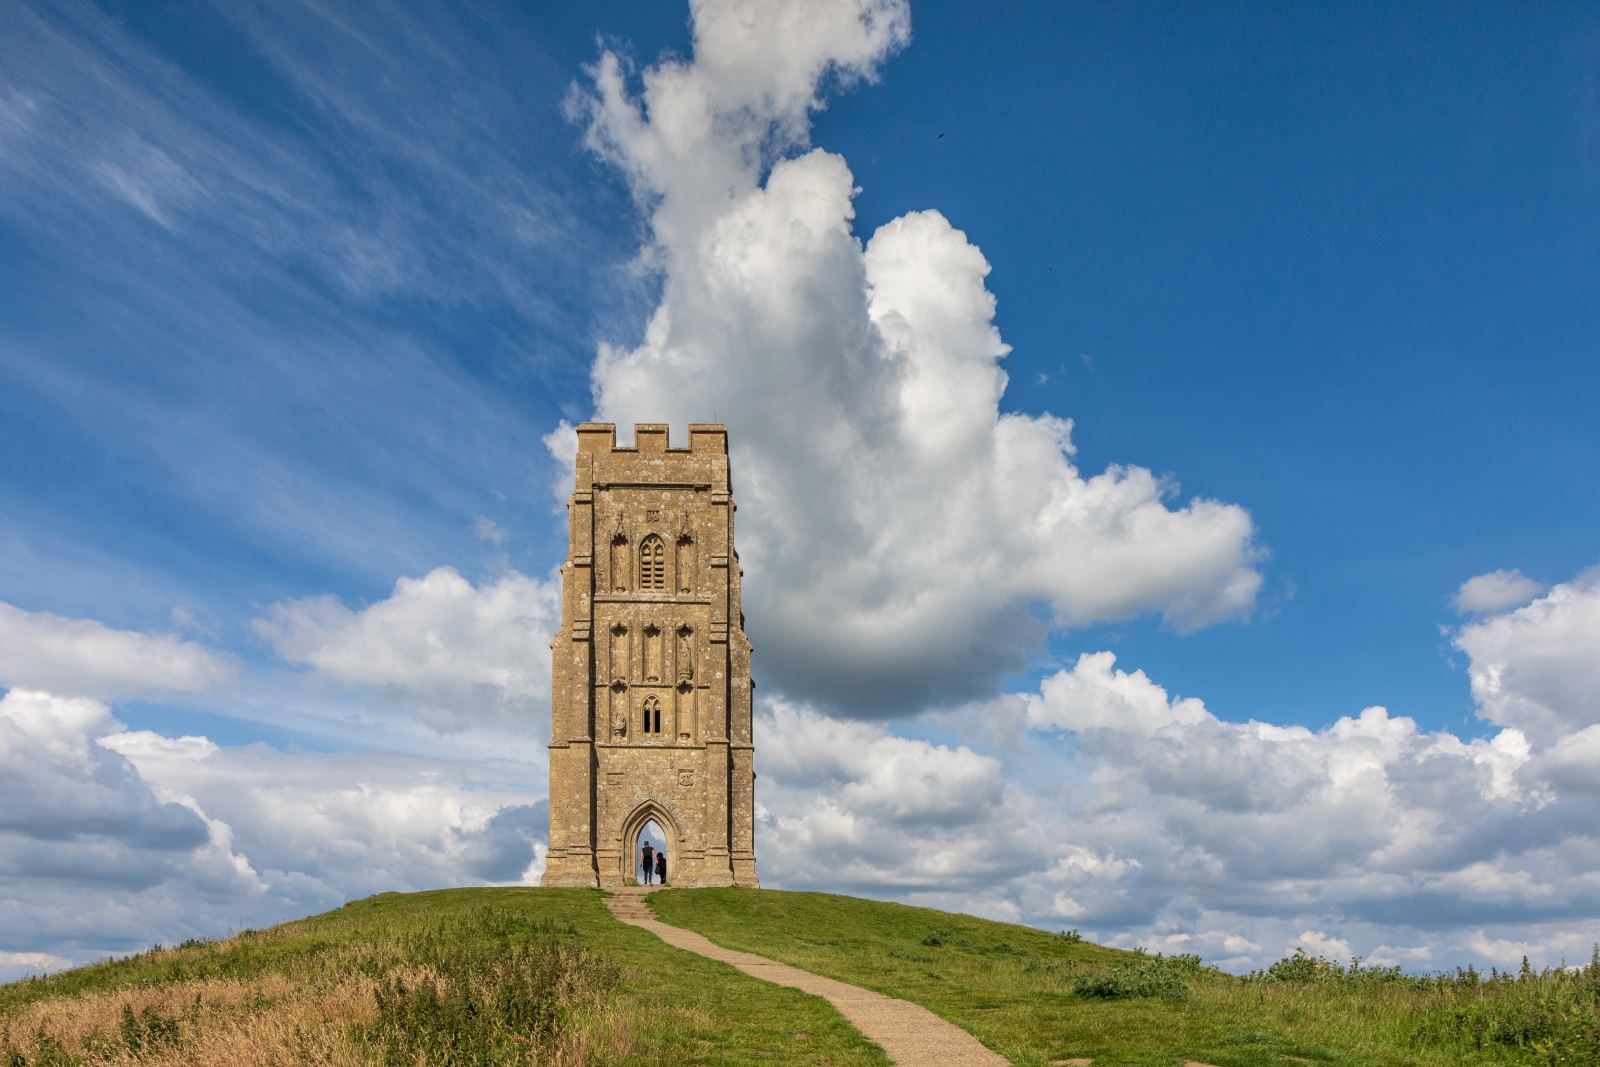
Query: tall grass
<point x="526" y="993"/>
<point x="485" y="986"/>
<point x="1550" y="1015"/>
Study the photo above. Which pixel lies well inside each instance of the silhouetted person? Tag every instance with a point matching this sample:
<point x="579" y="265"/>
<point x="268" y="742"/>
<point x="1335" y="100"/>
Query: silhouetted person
<point x="661" y="866"/>
<point x="647" y="860"/>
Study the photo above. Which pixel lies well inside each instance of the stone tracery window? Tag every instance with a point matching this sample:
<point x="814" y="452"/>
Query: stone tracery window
<point x="652" y="563"/>
<point x="651" y="716"/>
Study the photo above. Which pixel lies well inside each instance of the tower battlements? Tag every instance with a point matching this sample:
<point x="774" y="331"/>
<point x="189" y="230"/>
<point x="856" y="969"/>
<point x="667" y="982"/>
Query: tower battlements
<point x="650" y="438"/>
<point x="650" y="465"/>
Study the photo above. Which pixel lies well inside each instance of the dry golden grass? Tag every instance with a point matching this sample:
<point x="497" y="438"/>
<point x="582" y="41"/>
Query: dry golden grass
<point x="270" y="1019"/>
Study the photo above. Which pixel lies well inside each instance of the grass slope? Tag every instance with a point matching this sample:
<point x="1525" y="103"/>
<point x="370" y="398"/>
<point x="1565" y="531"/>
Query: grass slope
<point x="506" y="976"/>
<point x="468" y="976"/>
<point x="1038" y="998"/>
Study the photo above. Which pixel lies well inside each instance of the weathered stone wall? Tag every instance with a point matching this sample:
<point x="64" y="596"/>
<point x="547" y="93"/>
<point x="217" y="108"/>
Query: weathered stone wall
<point x="651" y="709"/>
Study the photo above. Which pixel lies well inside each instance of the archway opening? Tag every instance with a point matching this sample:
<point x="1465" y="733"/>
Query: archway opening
<point x="651" y="834"/>
<point x="653" y="822"/>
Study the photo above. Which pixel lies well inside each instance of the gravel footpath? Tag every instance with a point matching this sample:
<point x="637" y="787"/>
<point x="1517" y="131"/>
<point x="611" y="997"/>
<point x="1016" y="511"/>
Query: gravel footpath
<point x="911" y="1034"/>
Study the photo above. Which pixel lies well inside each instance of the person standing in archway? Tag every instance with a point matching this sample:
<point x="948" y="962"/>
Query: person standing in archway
<point x="647" y="860"/>
<point x="661" y="867"/>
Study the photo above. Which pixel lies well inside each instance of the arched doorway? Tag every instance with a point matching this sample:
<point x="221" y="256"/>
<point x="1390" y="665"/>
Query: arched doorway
<point x="648" y="822"/>
<point x="650" y="833"/>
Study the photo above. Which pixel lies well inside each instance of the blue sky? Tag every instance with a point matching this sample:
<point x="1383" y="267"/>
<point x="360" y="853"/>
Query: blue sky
<point x="291" y="297"/>
<point x="1335" y="264"/>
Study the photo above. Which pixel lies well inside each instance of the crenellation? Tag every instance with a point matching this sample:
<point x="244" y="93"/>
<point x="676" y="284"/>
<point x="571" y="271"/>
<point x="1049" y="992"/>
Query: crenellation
<point x="650" y="438"/>
<point x="596" y="437"/>
<point x="708" y="438"/>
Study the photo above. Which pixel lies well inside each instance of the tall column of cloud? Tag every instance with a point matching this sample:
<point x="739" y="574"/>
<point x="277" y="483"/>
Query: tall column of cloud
<point x="900" y="525"/>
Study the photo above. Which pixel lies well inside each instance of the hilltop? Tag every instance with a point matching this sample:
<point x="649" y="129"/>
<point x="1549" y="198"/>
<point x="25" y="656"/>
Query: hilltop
<point x="491" y="976"/>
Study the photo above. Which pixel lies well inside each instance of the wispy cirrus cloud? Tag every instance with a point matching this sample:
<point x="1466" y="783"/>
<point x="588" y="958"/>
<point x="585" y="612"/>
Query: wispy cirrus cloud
<point x="100" y="124"/>
<point x="223" y="301"/>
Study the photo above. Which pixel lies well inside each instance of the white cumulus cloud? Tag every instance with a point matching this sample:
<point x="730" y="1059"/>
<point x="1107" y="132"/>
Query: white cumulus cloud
<point x="1536" y="668"/>
<point x="111" y="839"/>
<point x="1495" y="591"/>
<point x="1103" y="801"/>
<point x="328" y="826"/>
<point x="849" y="805"/>
<point x="84" y="657"/>
<point x="898" y="525"/>
<point x="459" y="655"/>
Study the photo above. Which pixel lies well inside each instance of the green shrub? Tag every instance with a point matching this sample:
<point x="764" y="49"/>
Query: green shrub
<point x="1144" y="978"/>
<point x="1188" y="963"/>
<point x="1553" y="1015"/>
<point x="148" y="1031"/>
<point x="1304" y="967"/>
<point x="48" y="1052"/>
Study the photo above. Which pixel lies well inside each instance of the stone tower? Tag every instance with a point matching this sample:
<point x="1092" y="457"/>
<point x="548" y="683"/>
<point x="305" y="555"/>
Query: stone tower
<point x="651" y="670"/>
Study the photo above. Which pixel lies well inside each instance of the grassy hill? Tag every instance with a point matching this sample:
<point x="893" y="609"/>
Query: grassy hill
<point x="492" y="976"/>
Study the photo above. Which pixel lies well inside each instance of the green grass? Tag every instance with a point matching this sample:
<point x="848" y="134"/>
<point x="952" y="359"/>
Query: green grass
<point x="457" y="976"/>
<point x="1036" y="997"/>
<point x="491" y="976"/>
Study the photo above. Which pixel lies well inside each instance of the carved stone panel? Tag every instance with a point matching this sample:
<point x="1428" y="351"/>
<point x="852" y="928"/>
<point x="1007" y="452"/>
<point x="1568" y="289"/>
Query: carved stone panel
<point x="685" y="653"/>
<point x="652" y="653"/>
<point x="619" y="710"/>
<point x="683" y="564"/>
<point x="688" y="716"/>
<point x="618" y="660"/>
<point x="619" y="561"/>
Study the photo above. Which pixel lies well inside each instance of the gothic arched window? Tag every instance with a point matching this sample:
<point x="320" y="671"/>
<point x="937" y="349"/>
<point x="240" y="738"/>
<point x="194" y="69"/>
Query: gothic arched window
<point x="652" y="563"/>
<point x="652" y="716"/>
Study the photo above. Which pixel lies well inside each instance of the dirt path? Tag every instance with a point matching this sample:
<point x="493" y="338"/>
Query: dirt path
<point x="911" y="1034"/>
